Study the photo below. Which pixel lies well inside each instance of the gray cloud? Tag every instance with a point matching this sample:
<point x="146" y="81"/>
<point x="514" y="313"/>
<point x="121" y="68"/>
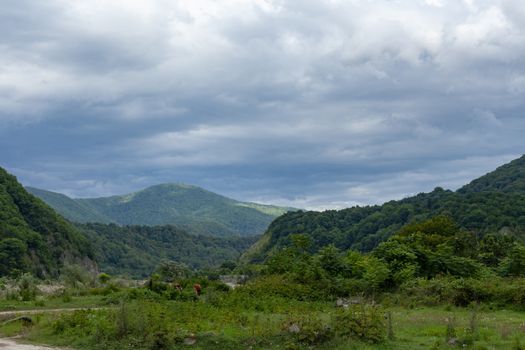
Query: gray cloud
<point x="306" y="103"/>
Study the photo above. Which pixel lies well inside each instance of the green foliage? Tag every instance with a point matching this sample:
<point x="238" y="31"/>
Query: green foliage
<point x="331" y="261"/>
<point x="460" y="291"/>
<point x="361" y="322"/>
<point x="33" y="238"/>
<point x="192" y="208"/>
<point x="492" y="204"/>
<point x="138" y="250"/>
<point x="70" y="208"/>
<point x="308" y="329"/>
<point x="13" y="256"/>
<point x="507" y="178"/>
<point x="436" y="246"/>
<point x="514" y="263"/>
<point x="76" y="276"/>
<point x="375" y="273"/>
<point x="103" y="278"/>
<point x="169" y="271"/>
<point x="435" y="261"/>
<point x="280" y="285"/>
<point x="27" y="287"/>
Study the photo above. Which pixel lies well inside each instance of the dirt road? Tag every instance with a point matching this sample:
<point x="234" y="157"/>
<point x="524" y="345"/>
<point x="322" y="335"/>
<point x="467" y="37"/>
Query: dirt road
<point x="11" y="344"/>
<point x="4" y="314"/>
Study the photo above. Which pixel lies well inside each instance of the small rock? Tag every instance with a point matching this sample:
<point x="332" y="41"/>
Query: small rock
<point x="190" y="341"/>
<point x="453" y="341"/>
<point x="294" y="328"/>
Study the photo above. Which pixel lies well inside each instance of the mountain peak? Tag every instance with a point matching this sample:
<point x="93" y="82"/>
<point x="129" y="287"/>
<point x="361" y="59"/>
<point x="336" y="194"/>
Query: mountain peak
<point x="191" y="207"/>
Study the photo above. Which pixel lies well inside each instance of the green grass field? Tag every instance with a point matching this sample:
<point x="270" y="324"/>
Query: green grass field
<point x="231" y="321"/>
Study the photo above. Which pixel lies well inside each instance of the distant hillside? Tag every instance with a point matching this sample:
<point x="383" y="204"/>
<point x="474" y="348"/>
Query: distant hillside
<point x="33" y="238"/>
<point x="137" y="250"/>
<point x="196" y="210"/>
<point x="69" y="208"/>
<point x="492" y="203"/>
<point x="507" y="178"/>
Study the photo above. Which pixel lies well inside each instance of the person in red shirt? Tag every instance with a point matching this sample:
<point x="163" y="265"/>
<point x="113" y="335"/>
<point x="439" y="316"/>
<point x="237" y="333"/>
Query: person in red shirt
<point x="197" y="288"/>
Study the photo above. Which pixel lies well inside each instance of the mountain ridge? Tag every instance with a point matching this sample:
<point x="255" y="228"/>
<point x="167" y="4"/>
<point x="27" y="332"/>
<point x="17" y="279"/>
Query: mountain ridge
<point x="190" y="207"/>
<point x="33" y="237"/>
<point x="494" y="202"/>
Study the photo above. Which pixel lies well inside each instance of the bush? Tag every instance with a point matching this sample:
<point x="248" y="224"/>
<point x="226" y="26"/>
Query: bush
<point x="103" y="278"/>
<point x="362" y="322"/>
<point x="27" y="287"/>
<point x="280" y="285"/>
<point x="451" y="290"/>
<point x="308" y="330"/>
<point x="76" y="276"/>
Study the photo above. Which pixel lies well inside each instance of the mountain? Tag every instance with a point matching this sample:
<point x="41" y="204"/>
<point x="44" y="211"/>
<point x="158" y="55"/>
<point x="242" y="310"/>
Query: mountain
<point x="137" y="250"/>
<point x="69" y="208"/>
<point x="494" y="203"/>
<point x="33" y="237"/>
<point x="192" y="208"/>
<point x="507" y="178"/>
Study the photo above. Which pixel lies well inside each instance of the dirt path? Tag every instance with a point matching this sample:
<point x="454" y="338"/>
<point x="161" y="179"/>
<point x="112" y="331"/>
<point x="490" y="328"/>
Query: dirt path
<point x="11" y="344"/>
<point x="3" y="314"/>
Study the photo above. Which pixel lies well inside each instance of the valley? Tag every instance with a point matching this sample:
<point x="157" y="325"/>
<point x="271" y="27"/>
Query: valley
<point x="438" y="270"/>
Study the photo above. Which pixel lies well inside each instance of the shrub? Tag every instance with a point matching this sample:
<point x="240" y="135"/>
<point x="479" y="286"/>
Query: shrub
<point x="280" y="285"/>
<point x="27" y="287"/>
<point x="308" y="330"/>
<point x="75" y="276"/>
<point x="103" y="278"/>
<point x="363" y="322"/>
<point x="453" y="290"/>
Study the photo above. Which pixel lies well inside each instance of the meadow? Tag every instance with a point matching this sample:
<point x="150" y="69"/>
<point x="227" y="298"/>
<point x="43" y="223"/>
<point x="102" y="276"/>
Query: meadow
<point x="254" y="316"/>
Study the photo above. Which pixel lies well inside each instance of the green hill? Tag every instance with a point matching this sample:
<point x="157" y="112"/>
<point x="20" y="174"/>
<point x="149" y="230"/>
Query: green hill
<point x="69" y="208"/>
<point x="507" y="178"/>
<point x="33" y="237"/>
<point x="192" y="208"/>
<point x="137" y="250"/>
<point x="493" y="203"/>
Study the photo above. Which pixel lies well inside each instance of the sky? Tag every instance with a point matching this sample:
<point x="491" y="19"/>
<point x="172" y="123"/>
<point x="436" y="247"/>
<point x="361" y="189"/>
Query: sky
<point x="312" y="104"/>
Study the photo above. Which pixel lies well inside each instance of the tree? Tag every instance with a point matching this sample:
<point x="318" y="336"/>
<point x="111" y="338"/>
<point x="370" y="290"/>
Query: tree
<point x="13" y="258"/>
<point x="170" y="271"/>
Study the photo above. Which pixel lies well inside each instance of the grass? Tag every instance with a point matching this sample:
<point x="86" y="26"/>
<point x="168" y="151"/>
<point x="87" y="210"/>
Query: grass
<point x="237" y="320"/>
<point x="54" y="302"/>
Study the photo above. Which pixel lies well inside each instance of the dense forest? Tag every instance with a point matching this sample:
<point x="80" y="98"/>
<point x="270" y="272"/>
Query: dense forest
<point x="136" y="250"/>
<point x="194" y="209"/>
<point x="494" y="203"/>
<point x="436" y="253"/>
<point x="33" y="238"/>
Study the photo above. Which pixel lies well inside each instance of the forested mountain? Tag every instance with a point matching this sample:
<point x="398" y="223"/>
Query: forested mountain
<point x="70" y="208"/>
<point x="192" y="208"/>
<point x="508" y="178"/>
<point x="491" y="204"/>
<point x="33" y="238"/>
<point x="137" y="250"/>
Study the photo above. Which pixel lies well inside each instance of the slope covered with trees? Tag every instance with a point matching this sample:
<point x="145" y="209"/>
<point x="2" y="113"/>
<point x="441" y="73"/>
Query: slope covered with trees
<point x="491" y="204"/>
<point x="137" y="250"/>
<point x="33" y="237"/>
<point x="69" y="208"/>
<point x="196" y="210"/>
<point x="509" y="178"/>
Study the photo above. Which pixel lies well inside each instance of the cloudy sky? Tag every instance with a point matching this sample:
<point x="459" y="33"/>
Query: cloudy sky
<point x="315" y="104"/>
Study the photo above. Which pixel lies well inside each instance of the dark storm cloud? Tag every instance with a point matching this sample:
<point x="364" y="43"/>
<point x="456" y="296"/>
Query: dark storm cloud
<point x="306" y="103"/>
